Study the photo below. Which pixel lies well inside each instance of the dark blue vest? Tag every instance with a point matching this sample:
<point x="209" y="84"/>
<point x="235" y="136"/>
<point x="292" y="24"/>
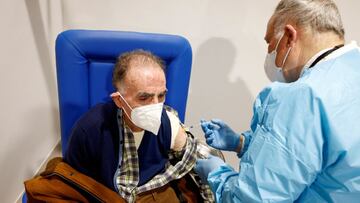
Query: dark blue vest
<point x="94" y="146"/>
<point x="153" y="150"/>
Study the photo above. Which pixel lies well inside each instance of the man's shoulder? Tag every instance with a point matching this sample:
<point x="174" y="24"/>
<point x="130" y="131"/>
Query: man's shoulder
<point x="282" y="92"/>
<point x="99" y="114"/>
<point x="104" y="108"/>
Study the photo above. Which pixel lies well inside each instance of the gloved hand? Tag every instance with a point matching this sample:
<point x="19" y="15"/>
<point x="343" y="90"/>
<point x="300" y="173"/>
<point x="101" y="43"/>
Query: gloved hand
<point x="219" y="135"/>
<point x="204" y="166"/>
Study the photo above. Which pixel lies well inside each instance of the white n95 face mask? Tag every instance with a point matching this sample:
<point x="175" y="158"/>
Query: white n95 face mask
<point x="273" y="72"/>
<point x="147" y="117"/>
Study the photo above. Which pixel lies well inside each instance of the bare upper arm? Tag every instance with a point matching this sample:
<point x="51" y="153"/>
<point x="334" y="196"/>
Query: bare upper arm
<point x="180" y="140"/>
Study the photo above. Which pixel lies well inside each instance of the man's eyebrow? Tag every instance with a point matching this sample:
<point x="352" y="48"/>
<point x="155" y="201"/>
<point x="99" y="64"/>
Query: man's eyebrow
<point x="145" y="94"/>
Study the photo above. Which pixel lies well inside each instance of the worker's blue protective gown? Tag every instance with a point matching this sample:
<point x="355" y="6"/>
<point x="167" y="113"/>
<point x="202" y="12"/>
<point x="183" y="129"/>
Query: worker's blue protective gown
<point x="304" y="142"/>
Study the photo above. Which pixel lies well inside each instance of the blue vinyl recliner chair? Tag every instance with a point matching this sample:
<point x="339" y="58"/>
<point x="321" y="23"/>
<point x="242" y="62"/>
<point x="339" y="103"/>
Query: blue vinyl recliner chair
<point x="85" y="60"/>
<point x="84" y="63"/>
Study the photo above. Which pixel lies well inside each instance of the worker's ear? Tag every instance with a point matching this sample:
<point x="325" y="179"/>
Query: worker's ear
<point x="116" y="98"/>
<point x="291" y="35"/>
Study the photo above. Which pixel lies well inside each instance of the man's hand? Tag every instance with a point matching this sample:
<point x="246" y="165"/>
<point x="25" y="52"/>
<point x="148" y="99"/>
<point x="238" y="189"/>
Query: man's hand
<point x="219" y="135"/>
<point x="204" y="166"/>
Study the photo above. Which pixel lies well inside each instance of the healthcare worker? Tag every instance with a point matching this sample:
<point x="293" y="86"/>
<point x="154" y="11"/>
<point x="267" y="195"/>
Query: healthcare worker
<point x="304" y="140"/>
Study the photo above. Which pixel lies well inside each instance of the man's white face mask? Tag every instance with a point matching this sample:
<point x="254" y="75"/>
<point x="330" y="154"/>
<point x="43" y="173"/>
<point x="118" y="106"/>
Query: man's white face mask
<point x="147" y="117"/>
<point x="273" y="72"/>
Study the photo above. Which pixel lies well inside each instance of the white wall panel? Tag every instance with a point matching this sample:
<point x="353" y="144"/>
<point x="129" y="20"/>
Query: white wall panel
<point x="228" y="50"/>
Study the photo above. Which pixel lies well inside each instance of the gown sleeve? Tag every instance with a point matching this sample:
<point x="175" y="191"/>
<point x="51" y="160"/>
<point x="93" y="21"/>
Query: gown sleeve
<point x="284" y="149"/>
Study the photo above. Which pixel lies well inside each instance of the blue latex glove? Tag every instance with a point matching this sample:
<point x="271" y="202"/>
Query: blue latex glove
<point x="204" y="166"/>
<point x="219" y="135"/>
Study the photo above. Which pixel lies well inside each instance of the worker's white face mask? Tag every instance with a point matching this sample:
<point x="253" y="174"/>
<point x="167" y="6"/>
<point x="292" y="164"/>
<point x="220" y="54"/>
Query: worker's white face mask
<point x="273" y="72"/>
<point x="147" y="117"/>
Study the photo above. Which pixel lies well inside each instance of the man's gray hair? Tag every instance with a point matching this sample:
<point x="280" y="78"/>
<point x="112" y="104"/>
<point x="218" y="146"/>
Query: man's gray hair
<point x="315" y="15"/>
<point x="133" y="58"/>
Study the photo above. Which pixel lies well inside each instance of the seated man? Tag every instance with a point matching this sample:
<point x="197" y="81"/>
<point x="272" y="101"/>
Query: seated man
<point x="127" y="144"/>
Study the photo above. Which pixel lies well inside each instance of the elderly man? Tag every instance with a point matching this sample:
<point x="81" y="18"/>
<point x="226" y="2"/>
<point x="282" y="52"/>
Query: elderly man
<point x="304" y="141"/>
<point x="127" y="144"/>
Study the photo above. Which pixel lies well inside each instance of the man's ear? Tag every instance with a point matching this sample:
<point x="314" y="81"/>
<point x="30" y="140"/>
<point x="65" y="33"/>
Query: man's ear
<point x="116" y="98"/>
<point x="291" y="35"/>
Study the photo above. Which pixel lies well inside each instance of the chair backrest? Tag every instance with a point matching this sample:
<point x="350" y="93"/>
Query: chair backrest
<point x="85" y="60"/>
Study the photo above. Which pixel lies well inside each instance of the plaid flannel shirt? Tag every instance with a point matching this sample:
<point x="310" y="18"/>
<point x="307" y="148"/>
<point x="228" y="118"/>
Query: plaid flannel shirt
<point x="128" y="177"/>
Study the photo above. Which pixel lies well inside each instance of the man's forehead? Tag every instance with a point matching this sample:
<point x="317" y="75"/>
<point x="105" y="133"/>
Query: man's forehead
<point x="141" y="70"/>
<point x="145" y="81"/>
<point x="136" y="90"/>
<point x="270" y="29"/>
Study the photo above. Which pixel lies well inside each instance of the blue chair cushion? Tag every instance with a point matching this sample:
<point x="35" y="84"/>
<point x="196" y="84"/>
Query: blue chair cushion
<point x="85" y="60"/>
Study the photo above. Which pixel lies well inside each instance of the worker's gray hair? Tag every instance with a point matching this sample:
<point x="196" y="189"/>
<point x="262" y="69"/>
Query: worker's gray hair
<point x="316" y="16"/>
